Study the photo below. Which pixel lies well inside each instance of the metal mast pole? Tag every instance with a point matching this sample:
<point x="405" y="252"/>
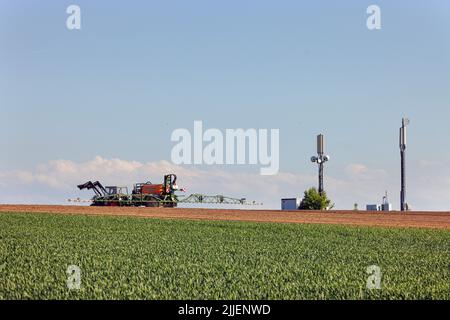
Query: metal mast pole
<point x="321" y="177"/>
<point x="403" y="181"/>
<point x="402" y="143"/>
<point x="320" y="160"/>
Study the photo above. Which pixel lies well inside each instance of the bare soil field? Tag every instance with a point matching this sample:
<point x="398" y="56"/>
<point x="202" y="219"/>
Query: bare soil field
<point x="416" y="219"/>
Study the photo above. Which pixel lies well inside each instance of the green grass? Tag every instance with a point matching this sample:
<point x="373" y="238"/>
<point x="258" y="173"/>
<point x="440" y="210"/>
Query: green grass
<point x="136" y="258"/>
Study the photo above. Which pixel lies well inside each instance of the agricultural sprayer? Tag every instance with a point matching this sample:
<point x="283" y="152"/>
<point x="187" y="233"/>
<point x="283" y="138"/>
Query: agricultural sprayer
<point x="151" y="195"/>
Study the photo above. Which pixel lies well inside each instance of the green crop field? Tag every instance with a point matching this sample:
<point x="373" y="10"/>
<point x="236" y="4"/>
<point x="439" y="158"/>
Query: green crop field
<point x="138" y="258"/>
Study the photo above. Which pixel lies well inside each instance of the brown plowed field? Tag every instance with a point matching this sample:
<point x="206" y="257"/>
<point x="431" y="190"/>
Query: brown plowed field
<point x="362" y="218"/>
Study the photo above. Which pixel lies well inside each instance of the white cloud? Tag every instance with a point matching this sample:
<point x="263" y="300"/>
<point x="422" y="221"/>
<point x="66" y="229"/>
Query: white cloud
<point x="359" y="171"/>
<point x="56" y="181"/>
<point x="433" y="163"/>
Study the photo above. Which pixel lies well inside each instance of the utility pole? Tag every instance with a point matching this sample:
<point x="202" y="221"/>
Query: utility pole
<point x="320" y="160"/>
<point x="402" y="144"/>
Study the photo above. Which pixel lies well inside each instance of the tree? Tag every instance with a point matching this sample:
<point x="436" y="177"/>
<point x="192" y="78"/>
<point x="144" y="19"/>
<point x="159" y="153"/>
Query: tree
<point x="313" y="200"/>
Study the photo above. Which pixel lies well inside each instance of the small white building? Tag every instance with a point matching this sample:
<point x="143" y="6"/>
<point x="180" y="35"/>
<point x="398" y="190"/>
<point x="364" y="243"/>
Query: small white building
<point x="385" y="206"/>
<point x="290" y="203"/>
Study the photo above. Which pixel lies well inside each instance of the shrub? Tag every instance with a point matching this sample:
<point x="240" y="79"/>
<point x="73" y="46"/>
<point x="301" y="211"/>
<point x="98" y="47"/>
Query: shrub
<point x="313" y="200"/>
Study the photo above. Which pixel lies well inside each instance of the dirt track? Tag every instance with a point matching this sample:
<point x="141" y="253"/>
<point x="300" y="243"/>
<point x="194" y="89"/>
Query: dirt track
<point x="392" y="219"/>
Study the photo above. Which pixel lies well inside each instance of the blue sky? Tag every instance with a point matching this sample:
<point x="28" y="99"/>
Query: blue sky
<point x="137" y="70"/>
